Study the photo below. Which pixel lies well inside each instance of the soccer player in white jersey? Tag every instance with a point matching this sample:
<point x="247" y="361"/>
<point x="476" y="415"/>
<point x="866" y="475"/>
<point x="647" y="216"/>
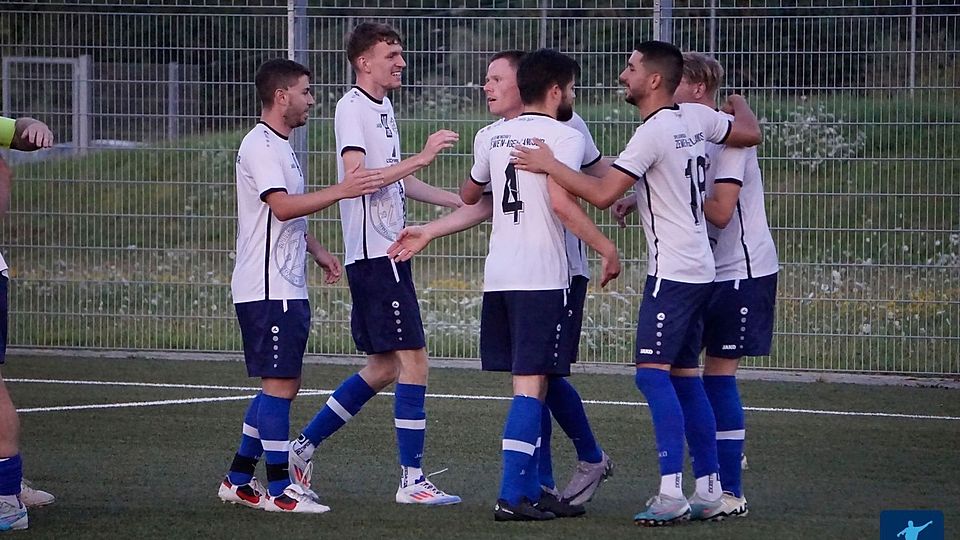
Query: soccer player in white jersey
<point x="385" y="318"/>
<point x="666" y="159"/>
<point x="562" y="399"/>
<point x="21" y="134"/>
<point x="269" y="285"/>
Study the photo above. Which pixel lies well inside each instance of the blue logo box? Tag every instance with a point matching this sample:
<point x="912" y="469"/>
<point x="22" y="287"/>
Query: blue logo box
<point x="911" y="525"/>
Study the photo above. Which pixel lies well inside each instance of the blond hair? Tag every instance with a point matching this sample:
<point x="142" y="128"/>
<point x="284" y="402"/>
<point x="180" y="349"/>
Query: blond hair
<point x="702" y="68"/>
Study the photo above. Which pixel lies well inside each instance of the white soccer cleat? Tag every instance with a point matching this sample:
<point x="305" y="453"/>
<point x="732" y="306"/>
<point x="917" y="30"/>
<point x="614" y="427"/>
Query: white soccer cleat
<point x="13" y="514"/>
<point x="294" y="500"/>
<point x="424" y="492"/>
<point x="300" y="469"/>
<point x="250" y="494"/>
<point x="32" y="497"/>
<point x="703" y="510"/>
<point x="733" y="506"/>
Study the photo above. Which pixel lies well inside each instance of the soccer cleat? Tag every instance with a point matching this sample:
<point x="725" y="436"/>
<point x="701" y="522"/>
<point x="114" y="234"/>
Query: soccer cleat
<point x="550" y="502"/>
<point x="704" y="510"/>
<point x="250" y="494"/>
<point x="586" y="479"/>
<point x="663" y="510"/>
<point x="13" y="514"/>
<point x="731" y="505"/>
<point x="294" y="500"/>
<point x="32" y="497"/>
<point x="424" y="492"/>
<point x="504" y="511"/>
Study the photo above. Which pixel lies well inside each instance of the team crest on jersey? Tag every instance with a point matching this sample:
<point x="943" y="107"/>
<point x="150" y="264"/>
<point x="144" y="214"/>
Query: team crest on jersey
<point x="386" y="211"/>
<point x="290" y="251"/>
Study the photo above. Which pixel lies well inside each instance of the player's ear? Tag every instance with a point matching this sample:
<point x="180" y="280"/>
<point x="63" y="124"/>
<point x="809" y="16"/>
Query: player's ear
<point x="656" y="80"/>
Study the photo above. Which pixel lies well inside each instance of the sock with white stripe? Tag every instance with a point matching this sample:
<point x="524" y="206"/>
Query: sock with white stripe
<point x="346" y="401"/>
<point x="567" y="407"/>
<point x="274" y="424"/>
<point x="409" y="418"/>
<point x="245" y="461"/>
<point x="667" y="418"/>
<point x="725" y="399"/>
<point x="11" y="474"/>
<point x="701" y="430"/>
<point x="520" y="436"/>
<point x="545" y="457"/>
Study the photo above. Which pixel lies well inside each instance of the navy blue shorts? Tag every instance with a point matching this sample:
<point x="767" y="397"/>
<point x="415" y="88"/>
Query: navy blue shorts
<point x="274" y="338"/>
<point x="521" y="332"/>
<point x="739" y="317"/>
<point x="670" y="323"/>
<point x="3" y="318"/>
<point x="573" y="324"/>
<point x="385" y="315"/>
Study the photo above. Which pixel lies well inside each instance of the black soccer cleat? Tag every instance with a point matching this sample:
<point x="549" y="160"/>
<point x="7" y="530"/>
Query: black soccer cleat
<point x="551" y="503"/>
<point x="524" y="511"/>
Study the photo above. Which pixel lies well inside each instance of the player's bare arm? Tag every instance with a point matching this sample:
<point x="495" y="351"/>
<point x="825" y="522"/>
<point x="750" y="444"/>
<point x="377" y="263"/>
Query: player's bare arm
<point x="356" y="183"/>
<point x="436" y="143"/>
<point x="577" y="221"/>
<point x="324" y="259"/>
<point x="412" y="240"/>
<point x="719" y="206"/>
<point x="600" y="192"/>
<point x="418" y="190"/>
<point x="745" y="130"/>
<point x="471" y="192"/>
<point x="31" y="134"/>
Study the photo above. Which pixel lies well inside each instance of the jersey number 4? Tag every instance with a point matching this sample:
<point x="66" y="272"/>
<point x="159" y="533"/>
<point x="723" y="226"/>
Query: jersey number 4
<point x="696" y="174"/>
<point x="511" y="194"/>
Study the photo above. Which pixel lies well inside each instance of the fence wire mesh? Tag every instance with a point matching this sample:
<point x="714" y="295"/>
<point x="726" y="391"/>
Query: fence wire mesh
<point x="122" y="237"/>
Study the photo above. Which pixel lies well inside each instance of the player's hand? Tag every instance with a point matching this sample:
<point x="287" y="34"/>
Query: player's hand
<point x="438" y="142"/>
<point x="409" y="242"/>
<point x="356" y="182"/>
<point x="38" y="134"/>
<point x="728" y="103"/>
<point x="533" y="159"/>
<point x="330" y="264"/>
<point x="623" y="208"/>
<point x="609" y="266"/>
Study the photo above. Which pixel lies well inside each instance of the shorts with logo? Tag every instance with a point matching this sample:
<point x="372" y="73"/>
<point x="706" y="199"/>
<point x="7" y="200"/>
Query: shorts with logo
<point x="521" y="332"/>
<point x="670" y="323"/>
<point x="275" y="336"/>
<point x="385" y="315"/>
<point x="739" y="317"/>
<point x="573" y="323"/>
<point x="3" y="317"/>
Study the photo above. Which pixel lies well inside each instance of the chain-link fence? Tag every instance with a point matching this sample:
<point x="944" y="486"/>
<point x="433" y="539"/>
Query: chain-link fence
<point x="122" y="237"/>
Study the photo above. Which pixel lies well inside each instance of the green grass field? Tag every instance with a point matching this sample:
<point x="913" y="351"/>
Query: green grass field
<point x="152" y="472"/>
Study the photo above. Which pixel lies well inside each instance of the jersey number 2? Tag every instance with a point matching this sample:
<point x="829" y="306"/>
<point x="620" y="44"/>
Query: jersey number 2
<point x="511" y="194"/>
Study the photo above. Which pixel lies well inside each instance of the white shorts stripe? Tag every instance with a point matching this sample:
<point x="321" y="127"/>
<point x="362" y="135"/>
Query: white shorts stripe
<point x="538" y="442"/>
<point x="732" y="435"/>
<point x="519" y="446"/>
<point x="401" y="423"/>
<point x="656" y="288"/>
<point x="275" y="446"/>
<point x="336" y="407"/>
<point x="251" y="431"/>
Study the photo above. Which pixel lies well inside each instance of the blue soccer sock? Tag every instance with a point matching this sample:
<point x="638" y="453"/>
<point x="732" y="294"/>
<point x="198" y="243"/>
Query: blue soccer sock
<point x="245" y="461"/>
<point x="667" y="422"/>
<point x="520" y="436"/>
<point x="725" y="399"/>
<point x="274" y="424"/>
<point x="545" y="458"/>
<point x="700" y="427"/>
<point x="567" y="408"/>
<point x="11" y="474"/>
<point x="346" y="401"/>
<point x="409" y="418"/>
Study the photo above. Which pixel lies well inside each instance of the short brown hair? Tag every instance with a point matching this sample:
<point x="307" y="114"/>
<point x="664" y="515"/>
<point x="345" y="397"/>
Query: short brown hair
<point x="663" y="58"/>
<point x="512" y="56"/>
<point x="703" y="68"/>
<point x="368" y="34"/>
<point x="276" y="74"/>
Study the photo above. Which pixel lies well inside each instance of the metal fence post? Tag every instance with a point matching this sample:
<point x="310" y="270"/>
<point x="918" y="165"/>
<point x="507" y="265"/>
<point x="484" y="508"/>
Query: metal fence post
<point x="663" y="20"/>
<point x="173" y="100"/>
<point x="297" y="51"/>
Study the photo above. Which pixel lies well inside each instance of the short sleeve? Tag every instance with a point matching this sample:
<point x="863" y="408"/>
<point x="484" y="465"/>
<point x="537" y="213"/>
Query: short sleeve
<point x="349" y="129"/>
<point x="8" y="128"/>
<point x="641" y="153"/>
<point x="261" y="164"/>
<point x="731" y="165"/>
<point x="480" y="172"/>
<point x="569" y="150"/>
<point x="591" y="154"/>
<point x="715" y="124"/>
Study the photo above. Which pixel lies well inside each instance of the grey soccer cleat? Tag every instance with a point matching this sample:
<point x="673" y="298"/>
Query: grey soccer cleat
<point x="586" y="479"/>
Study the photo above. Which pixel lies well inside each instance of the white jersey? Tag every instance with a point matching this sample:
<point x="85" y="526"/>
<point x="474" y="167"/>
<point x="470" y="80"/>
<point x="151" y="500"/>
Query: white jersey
<point x="527" y="248"/>
<point x="744" y="249"/>
<point x="271" y="254"/>
<point x="371" y="222"/>
<point x="667" y="157"/>
<point x="576" y="248"/>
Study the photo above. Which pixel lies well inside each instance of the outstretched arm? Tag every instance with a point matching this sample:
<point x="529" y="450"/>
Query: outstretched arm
<point x="600" y="192"/>
<point x="356" y="183"/>
<point x="413" y="240"/>
<point x="436" y="143"/>
<point x="418" y="190"/>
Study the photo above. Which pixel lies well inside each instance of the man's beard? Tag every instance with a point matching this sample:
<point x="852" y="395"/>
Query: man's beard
<point x="565" y="112"/>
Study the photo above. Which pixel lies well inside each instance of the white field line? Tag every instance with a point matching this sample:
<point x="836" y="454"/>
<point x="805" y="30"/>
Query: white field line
<point x="319" y="392"/>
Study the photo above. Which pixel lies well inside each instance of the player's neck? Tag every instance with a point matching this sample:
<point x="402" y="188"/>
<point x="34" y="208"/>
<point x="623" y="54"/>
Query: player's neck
<point x="539" y="108"/>
<point x="709" y="102"/>
<point x="274" y="120"/>
<point x="513" y="113"/>
<point x="654" y="103"/>
<point x="372" y="89"/>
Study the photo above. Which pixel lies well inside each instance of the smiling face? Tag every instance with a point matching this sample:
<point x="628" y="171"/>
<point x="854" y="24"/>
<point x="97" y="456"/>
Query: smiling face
<point x="637" y="80"/>
<point x="298" y="100"/>
<point x="503" y="96"/>
<point x="383" y="64"/>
